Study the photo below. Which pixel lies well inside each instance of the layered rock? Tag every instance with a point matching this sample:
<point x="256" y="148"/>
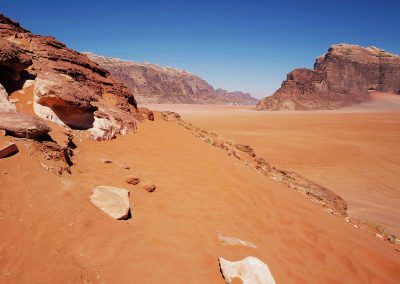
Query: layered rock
<point x="341" y="77"/>
<point x="69" y="88"/>
<point x="151" y="83"/>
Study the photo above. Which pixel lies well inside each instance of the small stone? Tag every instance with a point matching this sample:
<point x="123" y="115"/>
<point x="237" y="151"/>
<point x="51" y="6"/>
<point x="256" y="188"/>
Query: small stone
<point x="149" y="187"/>
<point x="2" y="132"/>
<point x="8" y="150"/>
<point x="133" y="180"/>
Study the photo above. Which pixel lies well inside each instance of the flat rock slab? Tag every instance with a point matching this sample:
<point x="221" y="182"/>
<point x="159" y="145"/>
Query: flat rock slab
<point x="250" y="270"/>
<point x="113" y="201"/>
<point x="22" y="125"/>
<point x="8" y="150"/>
<point x="232" y="241"/>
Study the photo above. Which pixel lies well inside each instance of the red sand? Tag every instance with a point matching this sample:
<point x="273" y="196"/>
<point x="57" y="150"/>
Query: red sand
<point x="353" y="151"/>
<point x="51" y="233"/>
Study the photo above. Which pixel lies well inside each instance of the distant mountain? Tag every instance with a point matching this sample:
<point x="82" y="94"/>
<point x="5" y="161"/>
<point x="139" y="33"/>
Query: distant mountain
<point x="151" y="83"/>
<point x="343" y="76"/>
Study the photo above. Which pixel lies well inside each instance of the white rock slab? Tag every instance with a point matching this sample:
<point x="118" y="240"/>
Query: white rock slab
<point x="250" y="270"/>
<point x="232" y="241"/>
<point x="113" y="201"/>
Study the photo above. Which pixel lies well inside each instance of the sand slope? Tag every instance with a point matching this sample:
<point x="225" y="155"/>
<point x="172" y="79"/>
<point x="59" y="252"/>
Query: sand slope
<point x="353" y="151"/>
<point x="51" y="233"/>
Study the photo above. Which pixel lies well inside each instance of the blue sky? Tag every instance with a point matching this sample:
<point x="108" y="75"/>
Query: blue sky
<point x="237" y="45"/>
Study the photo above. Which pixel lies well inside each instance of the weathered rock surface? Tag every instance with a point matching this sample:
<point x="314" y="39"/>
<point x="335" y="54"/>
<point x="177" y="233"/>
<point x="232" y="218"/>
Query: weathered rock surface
<point x="69" y="88"/>
<point x="151" y="83"/>
<point x="112" y="200"/>
<point x="341" y="77"/>
<point x="13" y="57"/>
<point x="5" y="104"/>
<point x="22" y="125"/>
<point x="250" y="270"/>
<point x="8" y="150"/>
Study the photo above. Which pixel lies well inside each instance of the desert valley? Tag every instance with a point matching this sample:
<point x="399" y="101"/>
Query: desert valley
<point x="114" y="171"/>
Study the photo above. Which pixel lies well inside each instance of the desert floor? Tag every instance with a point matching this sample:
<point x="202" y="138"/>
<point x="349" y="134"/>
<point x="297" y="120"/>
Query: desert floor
<point x="354" y="151"/>
<point x="51" y="233"/>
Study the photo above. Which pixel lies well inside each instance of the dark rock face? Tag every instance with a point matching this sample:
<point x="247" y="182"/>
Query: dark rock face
<point x="341" y="77"/>
<point x="152" y="83"/>
<point x="69" y="88"/>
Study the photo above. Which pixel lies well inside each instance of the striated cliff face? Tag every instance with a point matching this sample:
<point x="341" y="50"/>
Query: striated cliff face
<point x="69" y="88"/>
<point x="151" y="83"/>
<point x="341" y="77"/>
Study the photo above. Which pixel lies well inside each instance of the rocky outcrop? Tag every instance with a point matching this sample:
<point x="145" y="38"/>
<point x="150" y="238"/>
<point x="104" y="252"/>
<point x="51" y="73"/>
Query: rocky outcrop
<point x="69" y="88"/>
<point x="151" y="83"/>
<point x="343" y="76"/>
<point x="22" y="125"/>
<point x="112" y="200"/>
<point x="250" y="270"/>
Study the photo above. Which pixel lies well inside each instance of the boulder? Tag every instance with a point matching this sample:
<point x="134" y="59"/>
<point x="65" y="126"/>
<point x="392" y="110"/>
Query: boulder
<point x="113" y="201"/>
<point x="250" y="270"/>
<point x="22" y="125"/>
<point x="8" y="150"/>
<point x="343" y="76"/>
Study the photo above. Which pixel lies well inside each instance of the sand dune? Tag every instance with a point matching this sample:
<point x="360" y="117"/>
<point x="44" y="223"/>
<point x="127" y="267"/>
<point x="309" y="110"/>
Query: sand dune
<point x="53" y="234"/>
<point x="353" y="151"/>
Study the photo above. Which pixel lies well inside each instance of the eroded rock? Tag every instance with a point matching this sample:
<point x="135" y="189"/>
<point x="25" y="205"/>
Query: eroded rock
<point x="70" y="89"/>
<point x="22" y="125"/>
<point x="113" y="201"/>
<point x="250" y="270"/>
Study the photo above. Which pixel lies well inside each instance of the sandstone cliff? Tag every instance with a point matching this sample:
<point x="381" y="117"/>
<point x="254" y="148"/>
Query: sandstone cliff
<point x="69" y="88"/>
<point x="151" y="83"/>
<point x="341" y="77"/>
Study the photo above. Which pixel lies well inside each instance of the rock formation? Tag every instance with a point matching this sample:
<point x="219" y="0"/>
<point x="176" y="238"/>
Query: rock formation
<point x="341" y="77"/>
<point x="151" y="83"/>
<point x="22" y="125"/>
<point x="69" y="88"/>
<point x="250" y="270"/>
<point x="112" y="200"/>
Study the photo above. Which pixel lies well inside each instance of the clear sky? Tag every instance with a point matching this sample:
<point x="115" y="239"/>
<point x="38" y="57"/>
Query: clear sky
<point x="237" y="45"/>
